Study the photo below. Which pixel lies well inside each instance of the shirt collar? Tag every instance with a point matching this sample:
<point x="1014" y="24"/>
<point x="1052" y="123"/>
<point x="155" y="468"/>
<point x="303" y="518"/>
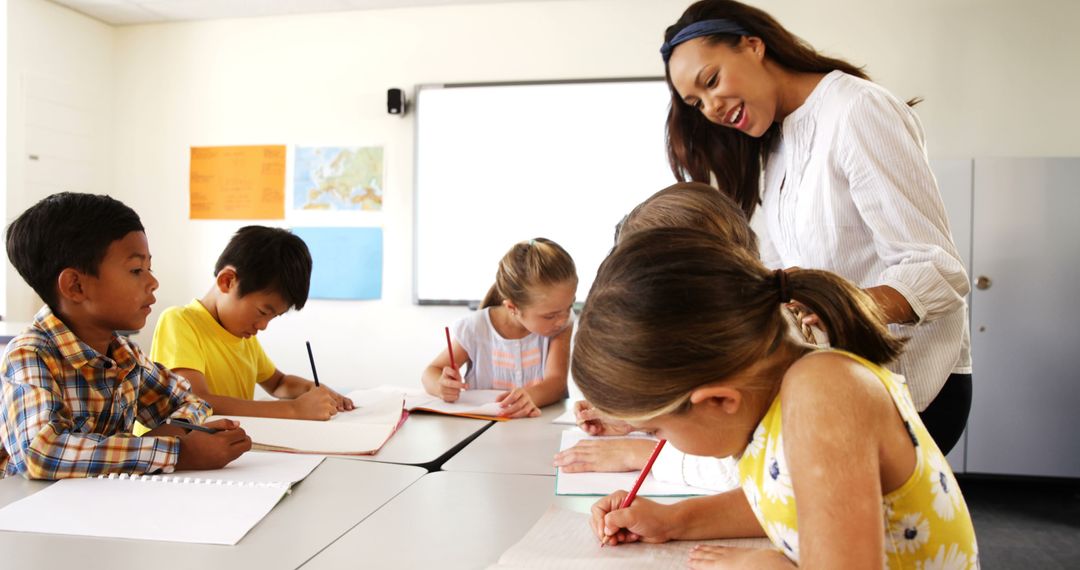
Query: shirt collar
<point x="77" y="352"/>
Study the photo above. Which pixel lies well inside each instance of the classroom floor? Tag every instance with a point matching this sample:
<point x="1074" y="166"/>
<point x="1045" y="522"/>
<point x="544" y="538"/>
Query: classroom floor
<point x="1031" y="524"/>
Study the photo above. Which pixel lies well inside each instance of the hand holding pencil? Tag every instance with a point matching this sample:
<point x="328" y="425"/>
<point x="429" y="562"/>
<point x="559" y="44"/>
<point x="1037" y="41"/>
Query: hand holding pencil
<point x="614" y="521"/>
<point x="450" y="382"/>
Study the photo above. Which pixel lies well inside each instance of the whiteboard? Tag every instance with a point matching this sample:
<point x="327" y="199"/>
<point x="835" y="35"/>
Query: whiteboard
<point x="500" y="163"/>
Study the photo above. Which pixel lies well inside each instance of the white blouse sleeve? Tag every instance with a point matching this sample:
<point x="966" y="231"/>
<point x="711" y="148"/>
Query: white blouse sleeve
<point x="711" y="473"/>
<point x="880" y="143"/>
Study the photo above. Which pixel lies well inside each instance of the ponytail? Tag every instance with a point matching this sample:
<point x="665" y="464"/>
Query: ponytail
<point x="854" y="321"/>
<point x="682" y="305"/>
<point x="532" y="263"/>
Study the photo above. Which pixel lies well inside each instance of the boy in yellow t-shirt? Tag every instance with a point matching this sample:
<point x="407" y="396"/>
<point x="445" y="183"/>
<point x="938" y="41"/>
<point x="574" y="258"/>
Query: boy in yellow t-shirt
<point x="262" y="273"/>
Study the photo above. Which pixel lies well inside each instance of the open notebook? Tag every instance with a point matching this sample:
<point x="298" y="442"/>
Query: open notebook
<point x="362" y="431"/>
<point x="227" y="502"/>
<point x="479" y="404"/>
<point x="563" y="540"/>
<point x="606" y="483"/>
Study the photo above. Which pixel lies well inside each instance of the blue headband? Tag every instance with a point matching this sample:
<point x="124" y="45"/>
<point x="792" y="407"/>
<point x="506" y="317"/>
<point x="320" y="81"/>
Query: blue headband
<point x="702" y="28"/>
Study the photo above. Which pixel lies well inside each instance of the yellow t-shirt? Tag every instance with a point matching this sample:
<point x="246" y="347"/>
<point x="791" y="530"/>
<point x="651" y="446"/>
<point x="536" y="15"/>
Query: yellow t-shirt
<point x="927" y="524"/>
<point x="189" y="337"/>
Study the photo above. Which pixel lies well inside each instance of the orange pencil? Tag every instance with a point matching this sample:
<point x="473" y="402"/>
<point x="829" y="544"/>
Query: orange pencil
<point x="641" y="479"/>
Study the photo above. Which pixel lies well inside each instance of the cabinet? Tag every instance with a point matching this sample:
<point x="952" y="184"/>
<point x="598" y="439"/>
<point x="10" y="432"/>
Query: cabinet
<point x="1025" y="249"/>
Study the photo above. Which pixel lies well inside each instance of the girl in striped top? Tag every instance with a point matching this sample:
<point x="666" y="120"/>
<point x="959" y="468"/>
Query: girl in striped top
<point x="519" y="340"/>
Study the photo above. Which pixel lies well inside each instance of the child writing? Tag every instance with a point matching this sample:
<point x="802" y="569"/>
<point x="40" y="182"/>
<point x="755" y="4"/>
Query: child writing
<point x="261" y="274"/>
<point x="519" y="340"/>
<point x="836" y="467"/>
<point x="684" y="205"/>
<point x="72" y="386"/>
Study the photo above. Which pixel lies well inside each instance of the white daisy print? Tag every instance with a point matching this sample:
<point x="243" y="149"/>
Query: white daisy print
<point x="757" y="443"/>
<point x="942" y="484"/>
<point x="907" y="534"/>
<point x="951" y="559"/>
<point x="753" y="496"/>
<point x="777" y="476"/>
<point x="785" y="538"/>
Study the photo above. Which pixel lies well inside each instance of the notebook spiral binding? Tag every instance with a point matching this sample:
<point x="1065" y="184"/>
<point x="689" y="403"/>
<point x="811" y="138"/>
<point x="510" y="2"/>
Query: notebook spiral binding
<point x="182" y="480"/>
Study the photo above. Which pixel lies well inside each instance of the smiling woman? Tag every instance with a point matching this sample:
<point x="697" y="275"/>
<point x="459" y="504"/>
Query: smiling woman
<point x="839" y="169"/>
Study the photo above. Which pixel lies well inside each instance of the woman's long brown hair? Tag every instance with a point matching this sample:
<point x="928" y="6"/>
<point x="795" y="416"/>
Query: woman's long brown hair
<point x="699" y="150"/>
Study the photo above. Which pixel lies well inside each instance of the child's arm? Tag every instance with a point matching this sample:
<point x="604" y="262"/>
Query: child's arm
<point x="439" y="379"/>
<point x="527" y="401"/>
<point x="846" y="446"/>
<point x="43" y="440"/>
<point x="727" y="515"/>
<point x="290" y="387"/>
<point x="312" y="405"/>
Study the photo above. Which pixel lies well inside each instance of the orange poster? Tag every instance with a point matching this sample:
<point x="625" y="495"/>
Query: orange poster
<point x="238" y="182"/>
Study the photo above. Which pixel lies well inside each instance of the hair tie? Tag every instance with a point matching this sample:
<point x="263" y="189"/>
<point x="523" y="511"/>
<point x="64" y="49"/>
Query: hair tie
<point x="782" y="285"/>
<point x="702" y="28"/>
<point x="532" y="242"/>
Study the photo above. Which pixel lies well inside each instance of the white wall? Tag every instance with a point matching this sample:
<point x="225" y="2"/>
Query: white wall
<point x="59" y="109"/>
<point x="999" y="78"/>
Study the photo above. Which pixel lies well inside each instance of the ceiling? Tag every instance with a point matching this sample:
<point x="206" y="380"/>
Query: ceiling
<point x="129" y="12"/>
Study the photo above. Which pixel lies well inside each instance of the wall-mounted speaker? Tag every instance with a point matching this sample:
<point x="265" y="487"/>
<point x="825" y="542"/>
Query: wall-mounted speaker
<point x="395" y="101"/>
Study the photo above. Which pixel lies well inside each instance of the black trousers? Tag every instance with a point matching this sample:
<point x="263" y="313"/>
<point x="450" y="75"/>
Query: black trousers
<point x="946" y="417"/>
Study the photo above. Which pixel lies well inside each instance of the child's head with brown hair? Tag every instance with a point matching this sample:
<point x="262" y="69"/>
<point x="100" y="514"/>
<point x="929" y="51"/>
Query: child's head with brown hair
<point x="691" y="205"/>
<point x="536" y="282"/>
<point x="676" y="309"/>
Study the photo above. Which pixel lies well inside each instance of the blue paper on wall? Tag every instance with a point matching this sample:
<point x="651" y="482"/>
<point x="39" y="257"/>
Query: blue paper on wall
<point x="347" y="262"/>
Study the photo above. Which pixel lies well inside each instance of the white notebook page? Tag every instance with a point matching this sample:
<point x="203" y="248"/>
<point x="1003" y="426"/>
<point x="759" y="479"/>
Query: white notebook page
<point x="227" y="502"/>
<point x="563" y="540"/>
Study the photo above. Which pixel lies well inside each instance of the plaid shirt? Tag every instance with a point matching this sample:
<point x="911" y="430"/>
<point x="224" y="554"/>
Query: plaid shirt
<point x="68" y="411"/>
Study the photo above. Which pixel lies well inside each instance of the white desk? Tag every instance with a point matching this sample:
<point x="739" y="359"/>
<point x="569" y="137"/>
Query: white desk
<point x="333" y="499"/>
<point x="525" y="446"/>
<point x="425" y="438"/>
<point x="448" y="520"/>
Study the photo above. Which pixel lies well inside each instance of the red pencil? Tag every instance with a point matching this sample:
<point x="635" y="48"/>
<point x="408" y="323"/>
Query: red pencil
<point x="641" y="479"/>
<point x="450" y="348"/>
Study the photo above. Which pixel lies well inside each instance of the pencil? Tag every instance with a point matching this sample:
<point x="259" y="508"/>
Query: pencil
<point x="189" y="426"/>
<point x="629" y="499"/>
<point x="450" y="348"/>
<point x="311" y="359"/>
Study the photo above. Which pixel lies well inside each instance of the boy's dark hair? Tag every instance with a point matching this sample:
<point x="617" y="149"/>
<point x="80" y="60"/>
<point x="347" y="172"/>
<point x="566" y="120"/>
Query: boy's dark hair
<point x="269" y="259"/>
<point x="65" y="230"/>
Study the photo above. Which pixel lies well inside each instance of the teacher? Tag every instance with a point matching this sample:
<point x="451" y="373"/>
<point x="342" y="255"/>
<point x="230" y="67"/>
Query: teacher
<point x="836" y="168"/>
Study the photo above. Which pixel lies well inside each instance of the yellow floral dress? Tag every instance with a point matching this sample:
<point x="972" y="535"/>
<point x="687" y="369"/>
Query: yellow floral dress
<point x="927" y="525"/>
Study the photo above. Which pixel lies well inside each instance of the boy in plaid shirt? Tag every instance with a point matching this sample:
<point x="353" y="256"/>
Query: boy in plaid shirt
<point x="71" y="386"/>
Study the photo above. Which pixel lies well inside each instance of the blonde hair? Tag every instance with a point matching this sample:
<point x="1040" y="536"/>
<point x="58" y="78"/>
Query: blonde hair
<point x="673" y="309"/>
<point x="691" y="205"/>
<point x="532" y="263"/>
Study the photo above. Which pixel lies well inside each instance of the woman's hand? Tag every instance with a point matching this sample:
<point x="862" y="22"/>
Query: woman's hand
<point x="644" y="520"/>
<point x="517" y="404"/>
<point x="606" y="455"/>
<point x="592" y="422"/>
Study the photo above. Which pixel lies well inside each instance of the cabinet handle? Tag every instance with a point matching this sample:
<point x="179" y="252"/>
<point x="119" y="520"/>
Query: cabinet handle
<point x="983" y="283"/>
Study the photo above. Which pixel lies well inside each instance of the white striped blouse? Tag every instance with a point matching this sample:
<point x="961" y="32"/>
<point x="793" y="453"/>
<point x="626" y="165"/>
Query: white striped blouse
<point x="849" y="189"/>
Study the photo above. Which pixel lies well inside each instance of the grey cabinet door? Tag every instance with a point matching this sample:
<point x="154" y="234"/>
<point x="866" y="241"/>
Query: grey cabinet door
<point x="1025" y="416"/>
<point x="954" y="181"/>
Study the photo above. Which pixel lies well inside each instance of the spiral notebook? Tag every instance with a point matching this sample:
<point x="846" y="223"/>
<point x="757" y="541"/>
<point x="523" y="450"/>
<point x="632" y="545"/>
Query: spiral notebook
<point x="206" y="507"/>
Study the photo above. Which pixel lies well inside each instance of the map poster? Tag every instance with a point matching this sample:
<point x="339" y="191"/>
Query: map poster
<point x="238" y="182"/>
<point x="338" y="178"/>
